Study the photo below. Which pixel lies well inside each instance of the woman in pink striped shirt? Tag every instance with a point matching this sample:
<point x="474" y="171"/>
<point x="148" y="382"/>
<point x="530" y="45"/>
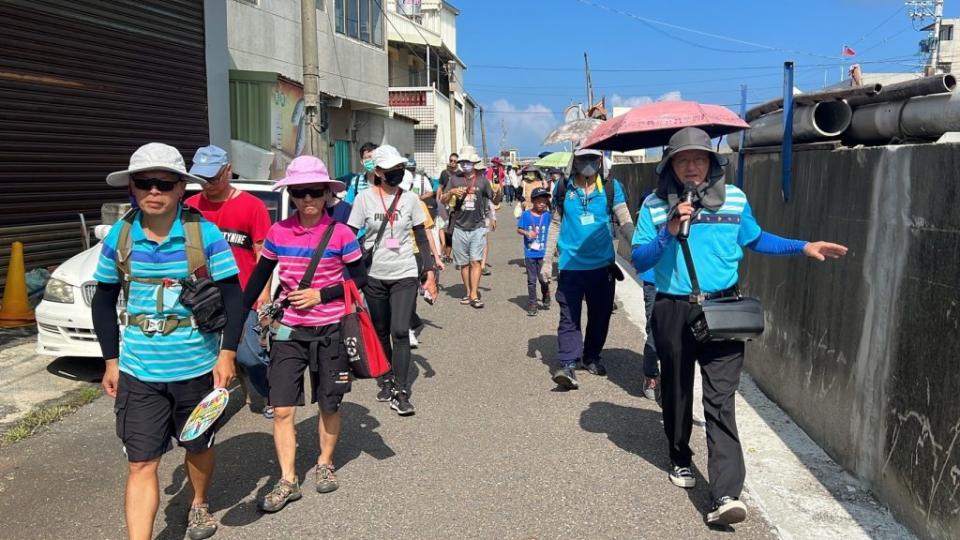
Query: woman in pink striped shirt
<point x="308" y="334"/>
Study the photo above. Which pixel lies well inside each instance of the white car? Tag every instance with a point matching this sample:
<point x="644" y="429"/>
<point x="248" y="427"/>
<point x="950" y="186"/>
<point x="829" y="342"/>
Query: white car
<point x="64" y="321"/>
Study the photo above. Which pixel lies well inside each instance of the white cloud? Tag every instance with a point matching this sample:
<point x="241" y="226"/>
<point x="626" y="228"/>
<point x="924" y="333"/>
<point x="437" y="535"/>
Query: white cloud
<point x="632" y="101"/>
<point x="619" y="101"/>
<point x="525" y="127"/>
<point x="671" y="96"/>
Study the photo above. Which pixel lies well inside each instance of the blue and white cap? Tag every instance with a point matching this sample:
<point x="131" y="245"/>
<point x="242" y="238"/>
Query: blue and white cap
<point x="208" y="161"/>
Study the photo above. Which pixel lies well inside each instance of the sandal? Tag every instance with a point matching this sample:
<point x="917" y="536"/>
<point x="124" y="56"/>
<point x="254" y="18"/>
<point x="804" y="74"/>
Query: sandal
<point x="476" y="303"/>
<point x="465" y="301"/>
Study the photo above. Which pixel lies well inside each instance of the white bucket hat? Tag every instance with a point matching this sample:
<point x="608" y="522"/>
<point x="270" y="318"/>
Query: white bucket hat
<point x="387" y="157"/>
<point x="469" y="153"/>
<point x="153" y="157"/>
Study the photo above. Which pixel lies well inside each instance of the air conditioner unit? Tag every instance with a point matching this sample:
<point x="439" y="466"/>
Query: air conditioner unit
<point x="333" y="102"/>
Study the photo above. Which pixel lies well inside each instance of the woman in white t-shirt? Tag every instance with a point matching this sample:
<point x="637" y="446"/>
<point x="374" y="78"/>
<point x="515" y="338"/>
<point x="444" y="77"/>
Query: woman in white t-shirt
<point x="393" y="277"/>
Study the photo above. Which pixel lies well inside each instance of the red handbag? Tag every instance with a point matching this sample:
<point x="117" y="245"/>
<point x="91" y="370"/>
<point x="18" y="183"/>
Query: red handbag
<point x="360" y="341"/>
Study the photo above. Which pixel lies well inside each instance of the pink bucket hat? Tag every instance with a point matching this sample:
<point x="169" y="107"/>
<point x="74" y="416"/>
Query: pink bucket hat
<point x="308" y="170"/>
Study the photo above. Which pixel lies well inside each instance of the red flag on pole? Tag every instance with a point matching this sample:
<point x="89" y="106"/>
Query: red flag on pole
<point x="848" y="52"/>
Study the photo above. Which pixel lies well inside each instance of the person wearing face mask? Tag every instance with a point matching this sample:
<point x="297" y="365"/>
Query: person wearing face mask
<point x="362" y="180"/>
<point x="389" y="216"/>
<point x="307" y="336"/>
<point x="587" y="209"/>
<point x="474" y="198"/>
<point x="720" y="224"/>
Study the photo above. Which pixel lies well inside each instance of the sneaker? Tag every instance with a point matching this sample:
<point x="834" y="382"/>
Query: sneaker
<point x="281" y="494"/>
<point x="566" y="378"/>
<point x="545" y="304"/>
<point x="401" y="404"/>
<point x="414" y="342"/>
<point x="325" y="479"/>
<point x="532" y="310"/>
<point x="485" y="271"/>
<point x="596" y="368"/>
<point x="682" y="477"/>
<point x="727" y="511"/>
<point x="386" y="391"/>
<point x="200" y="524"/>
<point x="650" y="387"/>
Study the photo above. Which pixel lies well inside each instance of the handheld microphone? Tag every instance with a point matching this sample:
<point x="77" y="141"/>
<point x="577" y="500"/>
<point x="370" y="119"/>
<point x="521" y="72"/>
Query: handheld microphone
<point x="688" y="189"/>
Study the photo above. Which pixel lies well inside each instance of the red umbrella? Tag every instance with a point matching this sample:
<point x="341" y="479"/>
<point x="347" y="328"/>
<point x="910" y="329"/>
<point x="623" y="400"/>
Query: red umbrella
<point x="652" y="125"/>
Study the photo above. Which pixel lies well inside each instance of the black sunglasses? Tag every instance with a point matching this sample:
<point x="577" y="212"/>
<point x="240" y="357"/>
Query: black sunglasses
<point x="300" y="193"/>
<point x="146" y="184"/>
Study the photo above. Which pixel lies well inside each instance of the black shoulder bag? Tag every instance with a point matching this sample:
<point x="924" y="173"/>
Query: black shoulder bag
<point x="274" y="312"/>
<point x="368" y="254"/>
<point x="730" y="318"/>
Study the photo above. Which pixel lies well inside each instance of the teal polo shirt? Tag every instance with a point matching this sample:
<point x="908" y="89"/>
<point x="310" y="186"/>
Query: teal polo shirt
<point x="716" y="242"/>
<point x="586" y="235"/>
<point x="186" y="352"/>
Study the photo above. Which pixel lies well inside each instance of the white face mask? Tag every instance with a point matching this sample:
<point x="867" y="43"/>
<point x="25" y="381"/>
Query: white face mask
<point x="466" y="167"/>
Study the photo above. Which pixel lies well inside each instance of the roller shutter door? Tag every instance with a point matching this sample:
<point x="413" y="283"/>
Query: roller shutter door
<point x="83" y="83"/>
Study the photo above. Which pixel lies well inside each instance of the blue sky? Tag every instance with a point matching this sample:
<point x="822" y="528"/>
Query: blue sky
<point x="760" y="36"/>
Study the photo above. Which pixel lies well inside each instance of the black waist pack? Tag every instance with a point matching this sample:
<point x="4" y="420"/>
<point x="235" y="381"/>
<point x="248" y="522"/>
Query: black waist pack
<point x="732" y="318"/>
<point x="202" y="297"/>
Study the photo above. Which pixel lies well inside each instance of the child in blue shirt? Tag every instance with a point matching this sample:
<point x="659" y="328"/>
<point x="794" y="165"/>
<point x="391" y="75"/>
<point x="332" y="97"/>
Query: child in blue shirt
<point x="533" y="226"/>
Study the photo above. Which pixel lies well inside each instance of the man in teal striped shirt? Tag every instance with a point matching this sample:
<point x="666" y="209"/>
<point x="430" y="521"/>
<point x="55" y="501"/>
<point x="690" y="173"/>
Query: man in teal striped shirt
<point x="166" y="364"/>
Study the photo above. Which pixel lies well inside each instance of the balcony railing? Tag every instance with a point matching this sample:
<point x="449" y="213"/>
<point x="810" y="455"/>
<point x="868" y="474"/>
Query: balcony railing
<point x="420" y="103"/>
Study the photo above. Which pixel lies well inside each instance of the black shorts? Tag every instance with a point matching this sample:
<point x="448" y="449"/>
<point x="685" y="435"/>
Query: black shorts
<point x="329" y="373"/>
<point x="149" y="414"/>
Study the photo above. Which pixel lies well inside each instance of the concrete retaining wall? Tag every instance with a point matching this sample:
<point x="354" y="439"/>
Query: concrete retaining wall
<point x="863" y="353"/>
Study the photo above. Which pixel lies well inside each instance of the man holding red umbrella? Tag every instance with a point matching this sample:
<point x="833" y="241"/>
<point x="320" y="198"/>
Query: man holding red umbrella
<point x="719" y="224"/>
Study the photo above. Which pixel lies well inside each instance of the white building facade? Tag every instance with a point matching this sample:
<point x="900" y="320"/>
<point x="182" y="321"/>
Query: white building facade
<point x="264" y="38"/>
<point x="422" y="48"/>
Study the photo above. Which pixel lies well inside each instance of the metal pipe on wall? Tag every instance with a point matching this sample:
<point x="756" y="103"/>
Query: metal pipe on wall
<point x="814" y="97"/>
<point x="922" y="117"/>
<point x="819" y="121"/>
<point x="937" y="84"/>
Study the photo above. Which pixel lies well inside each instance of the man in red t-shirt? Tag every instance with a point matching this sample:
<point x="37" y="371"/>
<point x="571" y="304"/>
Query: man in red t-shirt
<point x="244" y="220"/>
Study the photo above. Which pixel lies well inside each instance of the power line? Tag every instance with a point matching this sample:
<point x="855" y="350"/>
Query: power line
<point x="777" y="67"/>
<point x="877" y="27"/>
<point x="649" y="21"/>
<point x="387" y="17"/>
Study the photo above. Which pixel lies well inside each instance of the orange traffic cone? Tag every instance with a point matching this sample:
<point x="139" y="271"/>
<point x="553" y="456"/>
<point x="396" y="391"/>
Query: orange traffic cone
<point x="15" y="310"/>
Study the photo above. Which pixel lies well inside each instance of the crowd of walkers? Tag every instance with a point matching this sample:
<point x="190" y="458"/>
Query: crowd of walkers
<point x="197" y="276"/>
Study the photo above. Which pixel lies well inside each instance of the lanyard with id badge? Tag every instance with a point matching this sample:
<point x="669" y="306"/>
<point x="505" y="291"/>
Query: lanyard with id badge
<point x="390" y="216"/>
<point x="470" y="199"/>
<point x="587" y="218"/>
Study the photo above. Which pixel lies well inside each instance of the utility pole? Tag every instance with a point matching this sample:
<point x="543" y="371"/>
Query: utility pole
<point x="483" y="135"/>
<point x="311" y="77"/>
<point x="452" y="77"/>
<point x="935" y="53"/>
<point x="926" y="9"/>
<point x="586" y="68"/>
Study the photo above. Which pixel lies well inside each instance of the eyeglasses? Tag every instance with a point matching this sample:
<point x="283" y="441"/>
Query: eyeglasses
<point x="698" y="161"/>
<point x="146" y="184"/>
<point x="315" y="193"/>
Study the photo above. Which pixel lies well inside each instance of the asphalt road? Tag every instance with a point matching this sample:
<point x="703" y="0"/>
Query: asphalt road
<point x="494" y="451"/>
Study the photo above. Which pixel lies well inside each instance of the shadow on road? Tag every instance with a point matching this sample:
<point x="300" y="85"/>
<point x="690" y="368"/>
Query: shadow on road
<point x="520" y="301"/>
<point x="625" y="369"/>
<point x="640" y="432"/>
<point x="240" y="458"/>
<point x="77" y="368"/>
